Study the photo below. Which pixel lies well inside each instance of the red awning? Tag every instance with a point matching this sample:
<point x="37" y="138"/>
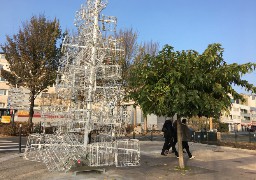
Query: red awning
<point x="246" y="124"/>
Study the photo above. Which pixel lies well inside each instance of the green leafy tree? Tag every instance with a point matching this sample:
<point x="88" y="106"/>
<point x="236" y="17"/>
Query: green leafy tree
<point x="33" y="55"/>
<point x="186" y="83"/>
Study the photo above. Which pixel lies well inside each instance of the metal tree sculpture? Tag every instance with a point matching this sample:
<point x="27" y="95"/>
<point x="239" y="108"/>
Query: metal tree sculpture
<point x="87" y="104"/>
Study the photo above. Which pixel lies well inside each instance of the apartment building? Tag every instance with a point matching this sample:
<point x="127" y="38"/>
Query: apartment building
<point x="3" y="83"/>
<point x="242" y="115"/>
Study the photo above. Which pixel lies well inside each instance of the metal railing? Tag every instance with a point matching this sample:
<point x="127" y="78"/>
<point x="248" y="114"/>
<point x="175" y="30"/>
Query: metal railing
<point x="199" y="137"/>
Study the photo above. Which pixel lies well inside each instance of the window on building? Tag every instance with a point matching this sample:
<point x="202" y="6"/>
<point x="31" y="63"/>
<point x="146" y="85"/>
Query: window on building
<point x="2" y="56"/>
<point x="3" y="91"/>
<point x="244" y="111"/>
<point x="142" y="117"/>
<point x="247" y="118"/>
<point x="2" y="104"/>
<point x="2" y="79"/>
<point x="45" y="95"/>
<point x="235" y="109"/>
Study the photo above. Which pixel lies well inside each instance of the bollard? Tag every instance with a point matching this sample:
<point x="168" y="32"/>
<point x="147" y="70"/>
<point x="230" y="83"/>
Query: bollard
<point x="207" y="137"/>
<point x="133" y="134"/>
<point x="20" y="128"/>
<point x="151" y="134"/>
<point x="90" y="137"/>
<point x="235" y="136"/>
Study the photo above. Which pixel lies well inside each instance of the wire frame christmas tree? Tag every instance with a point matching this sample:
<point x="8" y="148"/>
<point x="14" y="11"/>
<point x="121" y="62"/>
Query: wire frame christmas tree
<point x="87" y="106"/>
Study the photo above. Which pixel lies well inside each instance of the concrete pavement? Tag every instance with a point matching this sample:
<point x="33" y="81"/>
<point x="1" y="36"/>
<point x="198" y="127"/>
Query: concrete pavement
<point x="211" y="162"/>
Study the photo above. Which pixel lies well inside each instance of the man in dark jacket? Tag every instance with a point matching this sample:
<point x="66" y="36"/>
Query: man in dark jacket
<point x="168" y="136"/>
<point x="185" y="134"/>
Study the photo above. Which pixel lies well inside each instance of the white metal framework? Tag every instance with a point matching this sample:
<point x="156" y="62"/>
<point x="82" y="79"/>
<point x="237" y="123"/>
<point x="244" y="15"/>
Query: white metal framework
<point x="18" y="98"/>
<point x="87" y="104"/>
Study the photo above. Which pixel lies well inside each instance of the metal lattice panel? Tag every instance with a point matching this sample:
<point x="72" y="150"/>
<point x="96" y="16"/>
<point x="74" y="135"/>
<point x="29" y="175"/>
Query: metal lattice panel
<point x="18" y="98"/>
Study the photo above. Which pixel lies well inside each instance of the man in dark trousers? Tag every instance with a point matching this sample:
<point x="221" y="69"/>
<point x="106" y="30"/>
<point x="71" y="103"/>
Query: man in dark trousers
<point x="175" y="138"/>
<point x="185" y="133"/>
<point x="168" y="136"/>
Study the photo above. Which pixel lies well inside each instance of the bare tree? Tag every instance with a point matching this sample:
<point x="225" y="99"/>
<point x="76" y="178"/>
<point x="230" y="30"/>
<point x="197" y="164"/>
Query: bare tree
<point x="151" y="48"/>
<point x="129" y="39"/>
<point x="33" y="55"/>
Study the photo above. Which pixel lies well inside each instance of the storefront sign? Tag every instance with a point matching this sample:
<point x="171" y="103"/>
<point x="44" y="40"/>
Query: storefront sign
<point x="22" y="113"/>
<point x="6" y="119"/>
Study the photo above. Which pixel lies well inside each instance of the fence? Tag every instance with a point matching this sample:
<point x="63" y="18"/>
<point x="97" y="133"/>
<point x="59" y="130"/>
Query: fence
<point x="200" y="137"/>
<point x="239" y="137"/>
<point x="205" y="136"/>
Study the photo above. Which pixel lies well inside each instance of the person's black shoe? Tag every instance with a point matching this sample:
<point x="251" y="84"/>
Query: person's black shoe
<point x="163" y="154"/>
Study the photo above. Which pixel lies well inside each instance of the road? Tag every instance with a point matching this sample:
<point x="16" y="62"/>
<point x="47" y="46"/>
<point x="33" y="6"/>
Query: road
<point x="11" y="144"/>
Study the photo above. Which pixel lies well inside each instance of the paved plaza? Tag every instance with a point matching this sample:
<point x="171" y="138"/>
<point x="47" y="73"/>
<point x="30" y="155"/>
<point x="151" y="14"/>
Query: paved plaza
<point x="211" y="162"/>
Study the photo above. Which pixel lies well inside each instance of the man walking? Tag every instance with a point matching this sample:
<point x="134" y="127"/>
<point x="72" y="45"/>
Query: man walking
<point x="168" y="136"/>
<point x="185" y="134"/>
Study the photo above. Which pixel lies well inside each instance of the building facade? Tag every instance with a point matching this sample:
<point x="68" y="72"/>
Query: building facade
<point x="242" y="115"/>
<point x="4" y="87"/>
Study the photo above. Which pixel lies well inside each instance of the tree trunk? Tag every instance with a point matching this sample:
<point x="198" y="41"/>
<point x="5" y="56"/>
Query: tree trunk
<point x="134" y="117"/>
<point x="31" y="112"/>
<point x="134" y="121"/>
<point x="210" y="123"/>
<point x="180" y="150"/>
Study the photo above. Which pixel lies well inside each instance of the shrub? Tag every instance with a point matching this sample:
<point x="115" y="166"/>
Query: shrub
<point x="7" y="129"/>
<point x="223" y="127"/>
<point x="129" y="128"/>
<point x="13" y="129"/>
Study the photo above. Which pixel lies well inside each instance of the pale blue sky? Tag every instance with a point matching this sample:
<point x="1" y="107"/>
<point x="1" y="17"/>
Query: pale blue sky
<point x="184" y="24"/>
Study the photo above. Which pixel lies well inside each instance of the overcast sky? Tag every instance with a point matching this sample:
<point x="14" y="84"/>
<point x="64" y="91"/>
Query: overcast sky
<point x="183" y="24"/>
